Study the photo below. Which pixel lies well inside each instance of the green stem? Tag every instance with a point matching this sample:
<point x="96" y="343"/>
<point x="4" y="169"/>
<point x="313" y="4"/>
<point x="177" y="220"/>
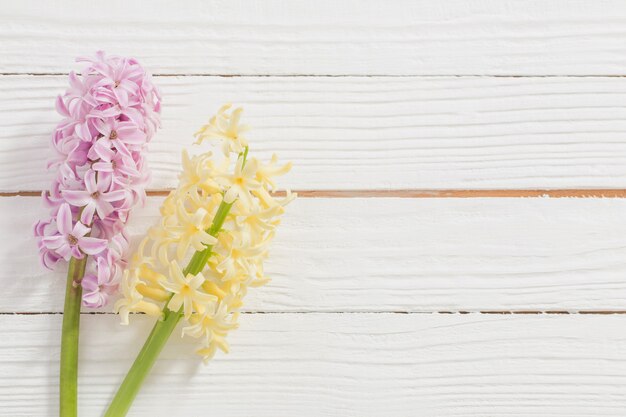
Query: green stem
<point x="68" y="387"/>
<point x="142" y="365"/>
<point x="161" y="331"/>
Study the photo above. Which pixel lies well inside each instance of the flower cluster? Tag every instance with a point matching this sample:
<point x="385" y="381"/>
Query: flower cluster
<point x="209" y="300"/>
<point x="110" y="113"/>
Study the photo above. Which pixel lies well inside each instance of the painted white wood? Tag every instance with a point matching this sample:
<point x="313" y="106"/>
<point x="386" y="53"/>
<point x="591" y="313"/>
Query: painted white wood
<point x="363" y="37"/>
<point x="419" y="365"/>
<point x="389" y="254"/>
<point x="329" y="343"/>
<point x="368" y="133"/>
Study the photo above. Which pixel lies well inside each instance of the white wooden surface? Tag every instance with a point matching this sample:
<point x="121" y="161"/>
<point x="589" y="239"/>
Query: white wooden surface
<point x="324" y="37"/>
<point x="285" y="365"/>
<point x="360" y="95"/>
<point x="425" y="255"/>
<point x="370" y="132"/>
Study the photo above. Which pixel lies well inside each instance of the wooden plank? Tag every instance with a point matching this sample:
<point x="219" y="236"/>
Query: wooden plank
<point x="393" y="254"/>
<point x="360" y="37"/>
<point x="369" y="133"/>
<point x="336" y="365"/>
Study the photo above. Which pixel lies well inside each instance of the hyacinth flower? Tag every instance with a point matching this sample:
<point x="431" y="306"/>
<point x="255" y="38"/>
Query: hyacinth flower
<point x="110" y="113"/>
<point x="219" y="222"/>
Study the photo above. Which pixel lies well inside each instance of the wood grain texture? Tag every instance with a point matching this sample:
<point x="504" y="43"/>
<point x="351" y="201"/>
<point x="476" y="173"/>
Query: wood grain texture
<point x="368" y="133"/>
<point x="418" y="365"/>
<point x="379" y="105"/>
<point x="479" y="37"/>
<point x="393" y="254"/>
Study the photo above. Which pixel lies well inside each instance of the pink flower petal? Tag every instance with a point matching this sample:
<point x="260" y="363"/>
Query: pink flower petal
<point x="80" y="230"/>
<point x="65" y="252"/>
<point x="103" y="167"/>
<point x="94" y="299"/>
<point x="103" y="208"/>
<point x="90" y="182"/>
<point x="113" y="196"/>
<point x="92" y="245"/>
<point x="54" y="242"/>
<point x="64" y="219"/>
<point x="76" y="198"/>
<point x="104" y="183"/>
<point x="89" y="210"/>
<point x="102" y="127"/>
<point x="60" y="107"/>
<point x="102" y="149"/>
<point x="89" y="282"/>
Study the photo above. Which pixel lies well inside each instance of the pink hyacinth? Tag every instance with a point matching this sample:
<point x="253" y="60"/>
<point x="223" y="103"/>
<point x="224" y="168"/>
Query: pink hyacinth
<point x="110" y="112"/>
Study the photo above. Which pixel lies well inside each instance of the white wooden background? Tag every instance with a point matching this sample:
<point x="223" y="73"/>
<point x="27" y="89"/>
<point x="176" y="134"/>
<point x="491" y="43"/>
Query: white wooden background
<point x="421" y="273"/>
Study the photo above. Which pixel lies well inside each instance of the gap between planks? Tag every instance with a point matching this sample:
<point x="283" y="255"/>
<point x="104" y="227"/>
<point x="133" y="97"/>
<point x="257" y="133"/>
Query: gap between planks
<point x="461" y="312"/>
<point x="555" y="193"/>
<point x="217" y="75"/>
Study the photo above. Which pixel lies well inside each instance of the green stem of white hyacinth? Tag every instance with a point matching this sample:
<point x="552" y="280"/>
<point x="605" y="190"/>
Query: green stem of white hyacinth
<point x="68" y="385"/>
<point x="161" y="331"/>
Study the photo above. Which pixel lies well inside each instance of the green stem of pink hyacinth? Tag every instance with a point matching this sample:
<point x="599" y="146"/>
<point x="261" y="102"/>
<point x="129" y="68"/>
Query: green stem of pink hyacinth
<point x="68" y="385"/>
<point x="161" y="331"/>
